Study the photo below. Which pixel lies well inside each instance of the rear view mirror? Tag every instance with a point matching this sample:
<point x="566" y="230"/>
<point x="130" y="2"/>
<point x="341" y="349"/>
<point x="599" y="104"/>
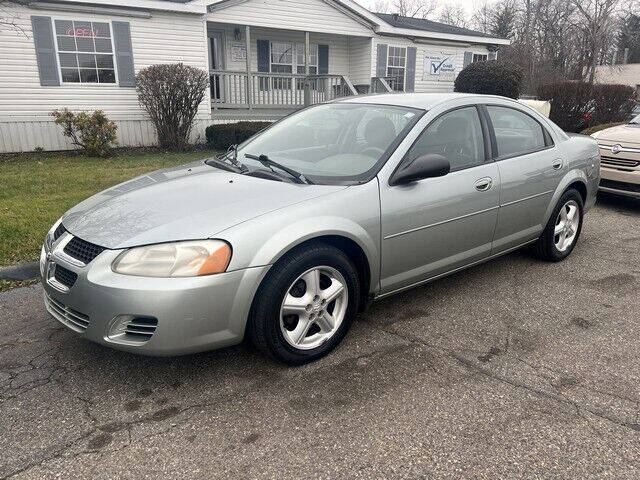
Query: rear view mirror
<point x="426" y="166"/>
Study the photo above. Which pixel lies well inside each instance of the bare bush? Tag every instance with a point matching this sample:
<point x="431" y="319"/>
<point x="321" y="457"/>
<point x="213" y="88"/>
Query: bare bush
<point x="171" y="95"/>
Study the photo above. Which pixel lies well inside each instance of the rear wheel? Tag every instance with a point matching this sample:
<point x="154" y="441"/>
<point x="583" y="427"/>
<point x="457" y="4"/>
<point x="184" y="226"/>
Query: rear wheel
<point x="306" y="304"/>
<point x="563" y="229"/>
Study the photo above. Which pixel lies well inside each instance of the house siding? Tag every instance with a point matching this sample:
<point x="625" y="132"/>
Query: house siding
<point x="25" y="105"/>
<point x="424" y="82"/>
<point x="360" y="60"/>
<point x="305" y="15"/>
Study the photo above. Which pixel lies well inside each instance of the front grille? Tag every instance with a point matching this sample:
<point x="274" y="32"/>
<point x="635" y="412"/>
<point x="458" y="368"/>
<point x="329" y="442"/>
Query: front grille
<point x="82" y="250"/>
<point x="64" y="276"/>
<point x="71" y="318"/>
<point x="57" y="233"/>
<point x="619" y="162"/>
<point x="141" y="329"/>
<point x="627" y="187"/>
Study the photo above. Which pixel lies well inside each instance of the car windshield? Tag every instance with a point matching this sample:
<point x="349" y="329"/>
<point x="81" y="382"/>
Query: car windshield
<point x="636" y="120"/>
<point x="339" y="142"/>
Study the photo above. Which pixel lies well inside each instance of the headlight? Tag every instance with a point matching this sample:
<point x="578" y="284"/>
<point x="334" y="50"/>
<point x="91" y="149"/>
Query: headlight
<point x="48" y="240"/>
<point x="177" y="259"/>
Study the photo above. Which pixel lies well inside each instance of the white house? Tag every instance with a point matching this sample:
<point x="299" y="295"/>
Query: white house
<point x="266" y="58"/>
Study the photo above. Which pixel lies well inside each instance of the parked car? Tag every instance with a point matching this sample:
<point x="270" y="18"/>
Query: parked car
<point x="286" y="244"/>
<point x="620" y="150"/>
<point x="635" y="112"/>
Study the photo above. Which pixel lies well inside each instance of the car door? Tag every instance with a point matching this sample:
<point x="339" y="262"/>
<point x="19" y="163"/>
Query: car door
<point x="530" y="169"/>
<point x="435" y="225"/>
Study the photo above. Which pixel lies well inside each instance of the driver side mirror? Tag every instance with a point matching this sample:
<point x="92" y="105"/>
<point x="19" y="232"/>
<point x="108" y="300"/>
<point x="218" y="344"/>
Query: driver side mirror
<point x="426" y="166"/>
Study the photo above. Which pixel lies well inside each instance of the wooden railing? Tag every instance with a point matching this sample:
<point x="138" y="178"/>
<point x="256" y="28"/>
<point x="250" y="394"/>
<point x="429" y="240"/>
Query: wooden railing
<point x="240" y="89"/>
<point x="383" y="84"/>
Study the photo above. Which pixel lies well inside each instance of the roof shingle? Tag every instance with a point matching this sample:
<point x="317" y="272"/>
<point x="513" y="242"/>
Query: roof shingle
<point x="399" y="21"/>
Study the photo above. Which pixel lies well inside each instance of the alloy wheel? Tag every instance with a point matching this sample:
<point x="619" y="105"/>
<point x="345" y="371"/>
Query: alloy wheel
<point x="567" y="224"/>
<point x="314" y="307"/>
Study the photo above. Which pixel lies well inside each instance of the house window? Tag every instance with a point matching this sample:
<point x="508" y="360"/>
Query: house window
<point x="281" y="62"/>
<point x="313" y="59"/>
<point x="85" y="51"/>
<point x="480" y="57"/>
<point x="396" y="67"/>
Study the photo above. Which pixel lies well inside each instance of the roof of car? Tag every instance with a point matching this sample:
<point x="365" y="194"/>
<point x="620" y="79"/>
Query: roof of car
<point x="415" y="100"/>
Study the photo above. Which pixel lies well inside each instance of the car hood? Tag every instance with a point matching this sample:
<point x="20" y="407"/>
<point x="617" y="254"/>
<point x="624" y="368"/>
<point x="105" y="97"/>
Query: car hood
<point x="184" y="203"/>
<point x="622" y="134"/>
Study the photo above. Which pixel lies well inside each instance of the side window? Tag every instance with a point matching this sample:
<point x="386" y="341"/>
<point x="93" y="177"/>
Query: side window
<point x="456" y="135"/>
<point x="516" y="132"/>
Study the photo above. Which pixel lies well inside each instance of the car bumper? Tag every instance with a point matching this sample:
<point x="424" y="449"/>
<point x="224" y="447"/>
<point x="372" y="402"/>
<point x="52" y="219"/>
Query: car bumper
<point x="151" y="316"/>
<point x="620" y="182"/>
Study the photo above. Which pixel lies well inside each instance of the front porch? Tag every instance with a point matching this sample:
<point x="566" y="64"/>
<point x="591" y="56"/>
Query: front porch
<point x="267" y="72"/>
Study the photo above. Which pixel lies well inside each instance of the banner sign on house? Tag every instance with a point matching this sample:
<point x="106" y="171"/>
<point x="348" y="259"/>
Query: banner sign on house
<point x="439" y="66"/>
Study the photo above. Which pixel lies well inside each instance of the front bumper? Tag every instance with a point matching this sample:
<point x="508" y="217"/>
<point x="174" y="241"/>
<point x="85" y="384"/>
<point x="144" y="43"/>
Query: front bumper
<point x="620" y="172"/>
<point x="178" y="315"/>
<point x="620" y="182"/>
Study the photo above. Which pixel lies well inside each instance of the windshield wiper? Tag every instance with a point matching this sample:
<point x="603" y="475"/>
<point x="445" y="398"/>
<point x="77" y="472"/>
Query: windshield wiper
<point x="230" y="158"/>
<point x="267" y="162"/>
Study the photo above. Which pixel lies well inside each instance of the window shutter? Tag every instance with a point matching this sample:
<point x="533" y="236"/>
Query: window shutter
<point x="410" y="82"/>
<point x="45" y="50"/>
<point x="468" y="58"/>
<point x="323" y="59"/>
<point x="381" y="64"/>
<point x="493" y="55"/>
<point x="124" y="54"/>
<point x="263" y="63"/>
<point x="263" y="55"/>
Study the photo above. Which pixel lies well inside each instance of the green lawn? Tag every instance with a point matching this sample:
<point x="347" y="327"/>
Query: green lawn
<point x="36" y="189"/>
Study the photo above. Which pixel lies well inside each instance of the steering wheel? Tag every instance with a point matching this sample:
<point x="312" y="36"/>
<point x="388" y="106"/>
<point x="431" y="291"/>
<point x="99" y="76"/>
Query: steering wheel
<point x="373" y="152"/>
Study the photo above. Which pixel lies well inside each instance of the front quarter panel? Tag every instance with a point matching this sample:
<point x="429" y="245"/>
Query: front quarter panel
<point x="353" y="212"/>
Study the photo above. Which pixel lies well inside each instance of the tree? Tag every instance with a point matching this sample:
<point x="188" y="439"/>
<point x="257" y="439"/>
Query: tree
<point x="8" y="17"/>
<point x="453" y="15"/>
<point x="481" y="19"/>
<point x="407" y="8"/>
<point x="596" y="21"/>
<point x="629" y="37"/>
<point x="503" y="19"/>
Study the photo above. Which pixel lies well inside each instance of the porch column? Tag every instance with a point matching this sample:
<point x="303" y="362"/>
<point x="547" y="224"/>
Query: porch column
<point x="247" y="38"/>
<point x="306" y="53"/>
<point x="307" y="85"/>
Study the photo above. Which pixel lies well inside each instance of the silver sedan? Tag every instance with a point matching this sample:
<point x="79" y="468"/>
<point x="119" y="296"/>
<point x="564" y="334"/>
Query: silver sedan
<point x="285" y="238"/>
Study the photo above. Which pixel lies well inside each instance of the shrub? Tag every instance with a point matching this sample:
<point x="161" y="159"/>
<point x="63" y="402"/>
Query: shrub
<point x="571" y="103"/>
<point x="577" y="105"/>
<point x="93" y="132"/>
<point x="222" y="136"/>
<point x="171" y="95"/>
<point x="493" y="77"/>
<point x="612" y="103"/>
<point x="597" y="128"/>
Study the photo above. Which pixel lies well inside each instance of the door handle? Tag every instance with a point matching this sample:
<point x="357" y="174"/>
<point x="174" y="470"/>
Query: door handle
<point x="557" y="165"/>
<point x="483" y="184"/>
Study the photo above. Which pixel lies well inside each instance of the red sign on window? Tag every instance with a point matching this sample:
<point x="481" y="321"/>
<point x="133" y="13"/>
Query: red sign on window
<point x="84" y="32"/>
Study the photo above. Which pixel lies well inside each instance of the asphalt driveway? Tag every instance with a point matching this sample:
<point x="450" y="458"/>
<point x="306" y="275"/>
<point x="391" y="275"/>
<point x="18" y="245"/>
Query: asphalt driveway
<point x="513" y="369"/>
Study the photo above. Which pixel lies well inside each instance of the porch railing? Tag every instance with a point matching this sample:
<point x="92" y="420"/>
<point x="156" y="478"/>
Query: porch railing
<point x="240" y="89"/>
<point x="383" y="84"/>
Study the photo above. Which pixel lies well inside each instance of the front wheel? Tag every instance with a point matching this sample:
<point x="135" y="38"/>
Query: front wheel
<point x="305" y="305"/>
<point x="563" y="229"/>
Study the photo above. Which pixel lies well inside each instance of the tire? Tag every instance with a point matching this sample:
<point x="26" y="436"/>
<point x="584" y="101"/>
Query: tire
<point x="277" y="331"/>
<point x="548" y="247"/>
